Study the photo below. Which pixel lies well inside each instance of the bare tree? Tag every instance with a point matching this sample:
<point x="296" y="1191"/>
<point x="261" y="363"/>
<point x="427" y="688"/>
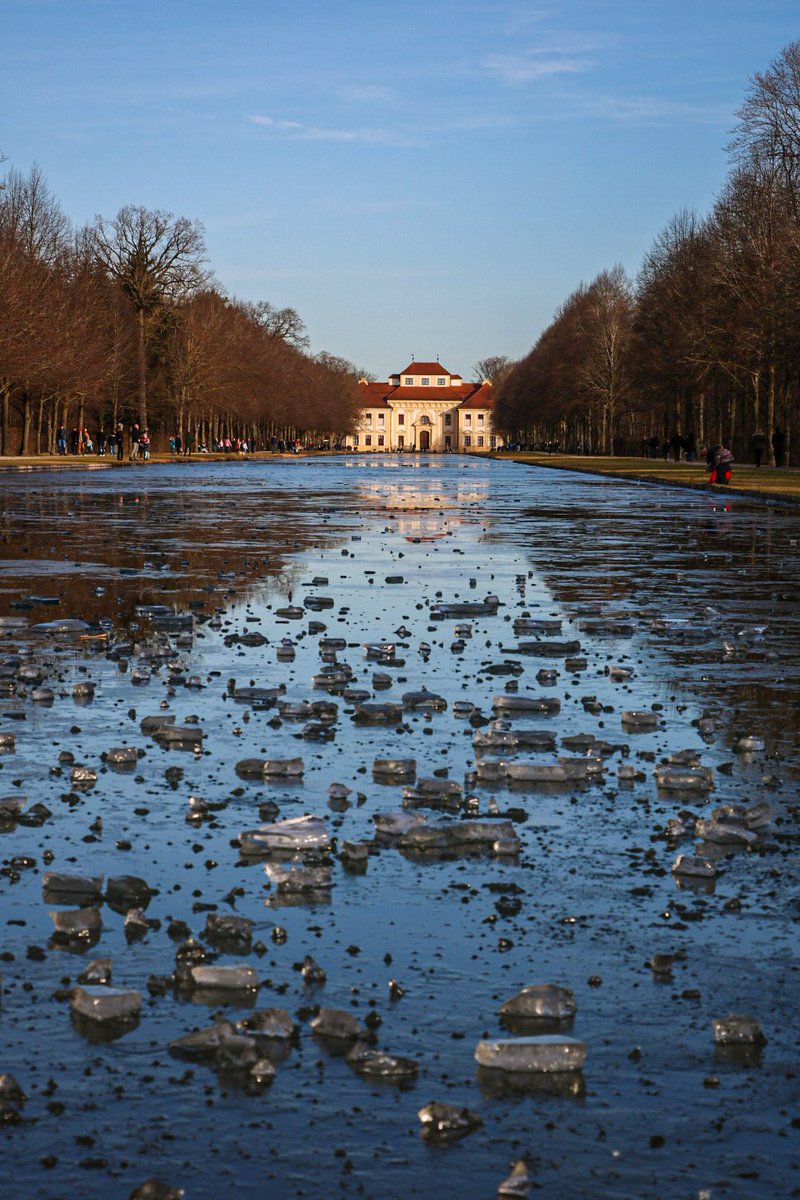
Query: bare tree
<point x="494" y="368"/>
<point x="283" y="323"/>
<point x="158" y="261"/>
<point x="768" y="133"/>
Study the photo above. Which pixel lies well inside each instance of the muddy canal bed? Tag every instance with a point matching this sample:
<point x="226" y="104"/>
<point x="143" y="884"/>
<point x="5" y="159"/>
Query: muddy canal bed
<point x="592" y="679"/>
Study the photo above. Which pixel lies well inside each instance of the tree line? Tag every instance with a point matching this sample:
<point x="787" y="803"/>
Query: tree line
<point x="121" y="322"/>
<point x="705" y="342"/>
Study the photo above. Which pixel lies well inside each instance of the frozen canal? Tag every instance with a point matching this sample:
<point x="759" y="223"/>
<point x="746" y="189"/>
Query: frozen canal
<point x="339" y="581"/>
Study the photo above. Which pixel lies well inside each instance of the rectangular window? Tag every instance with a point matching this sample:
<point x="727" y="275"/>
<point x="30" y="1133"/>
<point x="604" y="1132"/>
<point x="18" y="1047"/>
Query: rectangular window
<point x="440" y="382"/>
<point x="492" y="441"/>
<point x="480" y="439"/>
<point x="380" y="439"/>
<point x="467" y="418"/>
<point x="448" y="441"/>
<point x="409" y="380"/>
<point x="381" y="419"/>
<point x="368" y="418"/>
<point x="401" y="441"/>
<point x="467" y="441"/>
<point x="480" y="418"/>
<point x="368" y="440"/>
<point x="355" y="439"/>
<point x="425" y="381"/>
<point x="448" y="418"/>
<point x="401" y="418"/>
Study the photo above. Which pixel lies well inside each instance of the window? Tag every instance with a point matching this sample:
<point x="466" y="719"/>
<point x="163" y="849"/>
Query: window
<point x="368" y="440"/>
<point x="367" y="418"/>
<point x="381" y="419"/>
<point x="425" y="381"/>
<point x="448" y="441"/>
<point x="480" y="439"/>
<point x="409" y="380"/>
<point x="401" y="441"/>
<point x="480" y="418"/>
<point x="467" y="418"/>
<point x="440" y="382"/>
<point x="380" y="439"/>
<point x="355" y="439"/>
<point x="401" y="418"/>
<point x="492" y="441"/>
<point x="467" y="441"/>
<point x="448" y="418"/>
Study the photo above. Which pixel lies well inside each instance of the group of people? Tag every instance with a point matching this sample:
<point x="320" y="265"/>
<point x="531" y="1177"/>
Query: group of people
<point x="228" y="445"/>
<point x="79" y="440"/>
<point x="677" y="445"/>
<point x="717" y="457"/>
<point x="178" y="447"/>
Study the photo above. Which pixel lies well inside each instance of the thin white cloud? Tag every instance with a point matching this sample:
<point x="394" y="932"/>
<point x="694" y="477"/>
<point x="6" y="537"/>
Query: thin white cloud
<point x="300" y="132"/>
<point x="527" y="67"/>
<point x="644" y="109"/>
<point x="366" y="93"/>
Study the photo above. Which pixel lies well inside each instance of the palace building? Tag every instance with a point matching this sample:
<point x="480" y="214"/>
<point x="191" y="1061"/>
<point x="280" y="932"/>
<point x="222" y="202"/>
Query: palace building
<point x="424" y="407"/>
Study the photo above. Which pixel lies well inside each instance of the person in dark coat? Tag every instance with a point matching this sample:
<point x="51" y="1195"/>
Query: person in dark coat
<point x="779" y="446"/>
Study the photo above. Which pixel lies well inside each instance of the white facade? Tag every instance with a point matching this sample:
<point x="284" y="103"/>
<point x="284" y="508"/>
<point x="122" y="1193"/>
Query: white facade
<point x="425" y="408"/>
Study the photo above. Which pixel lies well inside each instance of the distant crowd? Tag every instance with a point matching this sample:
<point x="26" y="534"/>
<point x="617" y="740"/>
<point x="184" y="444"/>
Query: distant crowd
<point x="684" y="447"/>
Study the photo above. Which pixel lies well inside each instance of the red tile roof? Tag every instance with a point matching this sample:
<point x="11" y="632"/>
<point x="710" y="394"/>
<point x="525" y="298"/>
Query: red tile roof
<point x="373" y="395"/>
<point x="424" y="368"/>
<point x="464" y="395"/>
<point x="481" y="396"/>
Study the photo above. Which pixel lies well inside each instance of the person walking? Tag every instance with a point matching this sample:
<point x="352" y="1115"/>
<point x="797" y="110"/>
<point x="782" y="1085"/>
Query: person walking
<point x="61" y="440"/>
<point x="758" y="444"/>
<point x="119" y="442"/>
<point x="779" y="446"/>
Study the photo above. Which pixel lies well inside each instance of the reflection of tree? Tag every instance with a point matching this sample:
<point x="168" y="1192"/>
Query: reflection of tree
<point x="688" y="587"/>
<point x="185" y="544"/>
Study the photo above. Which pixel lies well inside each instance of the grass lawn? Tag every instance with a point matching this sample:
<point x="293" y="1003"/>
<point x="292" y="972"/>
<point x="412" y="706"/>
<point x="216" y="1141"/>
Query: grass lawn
<point x="765" y="481"/>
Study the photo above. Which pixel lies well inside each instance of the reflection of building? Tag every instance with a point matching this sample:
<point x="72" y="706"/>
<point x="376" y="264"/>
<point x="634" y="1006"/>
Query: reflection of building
<point x="425" y="408"/>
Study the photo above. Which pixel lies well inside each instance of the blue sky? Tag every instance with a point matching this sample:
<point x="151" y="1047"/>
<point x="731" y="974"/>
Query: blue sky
<point x="421" y="177"/>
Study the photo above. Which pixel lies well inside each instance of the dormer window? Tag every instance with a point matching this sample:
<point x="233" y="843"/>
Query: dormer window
<point x="409" y="381"/>
<point x="426" y="381"/>
<point x="441" y="381"/>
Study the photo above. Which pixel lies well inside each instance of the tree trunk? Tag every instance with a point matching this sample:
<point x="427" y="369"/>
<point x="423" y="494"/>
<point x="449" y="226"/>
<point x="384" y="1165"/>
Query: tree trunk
<point x="26" y="423"/>
<point x="5" y="421"/>
<point x="770" y="418"/>
<point x="141" y="367"/>
<point x="39" y="423"/>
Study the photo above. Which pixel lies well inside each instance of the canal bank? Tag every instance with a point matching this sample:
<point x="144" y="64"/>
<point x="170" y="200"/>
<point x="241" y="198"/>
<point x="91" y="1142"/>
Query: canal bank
<point x="781" y="485"/>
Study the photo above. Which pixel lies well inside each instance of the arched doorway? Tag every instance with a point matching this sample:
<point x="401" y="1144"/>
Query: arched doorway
<point x="424" y="440"/>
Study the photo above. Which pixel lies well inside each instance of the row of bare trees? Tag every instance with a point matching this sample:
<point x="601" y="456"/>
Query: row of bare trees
<point x="705" y="343"/>
<point x="121" y="323"/>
